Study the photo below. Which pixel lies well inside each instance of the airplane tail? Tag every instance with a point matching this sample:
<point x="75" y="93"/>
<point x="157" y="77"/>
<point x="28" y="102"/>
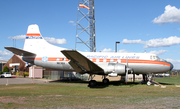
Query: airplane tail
<point x="35" y="43"/>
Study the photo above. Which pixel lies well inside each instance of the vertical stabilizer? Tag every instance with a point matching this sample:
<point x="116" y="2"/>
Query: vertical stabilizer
<point x="35" y="43"/>
<point x="33" y="30"/>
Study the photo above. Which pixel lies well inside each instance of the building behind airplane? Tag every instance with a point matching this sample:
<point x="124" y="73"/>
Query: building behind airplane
<point x="39" y="52"/>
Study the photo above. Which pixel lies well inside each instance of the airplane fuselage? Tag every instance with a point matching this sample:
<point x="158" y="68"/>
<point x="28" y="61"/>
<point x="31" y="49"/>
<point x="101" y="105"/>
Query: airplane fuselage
<point x="141" y="63"/>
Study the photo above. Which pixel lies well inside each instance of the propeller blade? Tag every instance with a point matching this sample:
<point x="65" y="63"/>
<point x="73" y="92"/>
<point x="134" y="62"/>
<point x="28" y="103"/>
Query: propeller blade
<point x="126" y="78"/>
<point x="127" y="62"/>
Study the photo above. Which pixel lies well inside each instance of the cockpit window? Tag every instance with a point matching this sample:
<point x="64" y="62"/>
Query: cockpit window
<point x="154" y="57"/>
<point x="157" y="58"/>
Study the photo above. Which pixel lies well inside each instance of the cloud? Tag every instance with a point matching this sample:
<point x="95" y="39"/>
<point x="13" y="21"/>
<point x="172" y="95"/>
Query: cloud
<point x="120" y="51"/>
<point x="176" y="63"/>
<point x="154" y="43"/>
<point x="72" y="22"/>
<point x="49" y="39"/>
<point x="124" y="51"/>
<point x="126" y="41"/>
<point x="5" y="53"/>
<point x="171" y="14"/>
<point x="55" y="41"/>
<point x="147" y="34"/>
<point x="18" y="37"/>
<point x="165" y="42"/>
<point x="160" y="52"/>
<point x="107" y="50"/>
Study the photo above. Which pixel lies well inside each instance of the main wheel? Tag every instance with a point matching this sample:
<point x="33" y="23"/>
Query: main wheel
<point x="92" y="83"/>
<point x="148" y="83"/>
<point x="105" y="81"/>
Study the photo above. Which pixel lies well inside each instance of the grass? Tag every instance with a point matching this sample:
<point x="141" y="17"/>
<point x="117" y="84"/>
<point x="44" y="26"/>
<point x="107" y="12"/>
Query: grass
<point x="169" y="80"/>
<point x="78" y="95"/>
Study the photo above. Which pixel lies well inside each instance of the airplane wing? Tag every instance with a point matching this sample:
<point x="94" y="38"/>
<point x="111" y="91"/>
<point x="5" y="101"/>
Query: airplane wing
<point x="19" y="51"/>
<point x="81" y="64"/>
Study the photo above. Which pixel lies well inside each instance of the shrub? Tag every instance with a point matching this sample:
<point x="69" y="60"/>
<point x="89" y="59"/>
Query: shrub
<point x="1" y="72"/>
<point x="21" y="73"/>
<point x="6" y="69"/>
<point x="17" y="73"/>
<point x="26" y="73"/>
<point x="14" y="73"/>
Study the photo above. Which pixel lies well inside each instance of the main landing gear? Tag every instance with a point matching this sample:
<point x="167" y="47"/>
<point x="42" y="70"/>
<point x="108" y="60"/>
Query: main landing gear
<point x="105" y="80"/>
<point x="93" y="83"/>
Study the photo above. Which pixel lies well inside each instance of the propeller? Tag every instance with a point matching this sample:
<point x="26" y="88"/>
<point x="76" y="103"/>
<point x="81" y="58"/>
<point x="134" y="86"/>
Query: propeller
<point x="126" y="77"/>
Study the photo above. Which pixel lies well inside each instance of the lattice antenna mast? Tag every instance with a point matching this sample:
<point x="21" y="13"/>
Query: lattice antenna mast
<point x="85" y="26"/>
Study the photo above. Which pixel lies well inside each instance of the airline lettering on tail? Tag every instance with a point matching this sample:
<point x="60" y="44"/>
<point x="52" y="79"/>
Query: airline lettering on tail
<point x="33" y="37"/>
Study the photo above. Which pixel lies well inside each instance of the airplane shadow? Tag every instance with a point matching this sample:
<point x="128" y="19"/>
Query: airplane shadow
<point x="166" y="83"/>
<point x="99" y="83"/>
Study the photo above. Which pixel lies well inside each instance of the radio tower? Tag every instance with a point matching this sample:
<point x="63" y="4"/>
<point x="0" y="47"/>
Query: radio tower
<point x="85" y="26"/>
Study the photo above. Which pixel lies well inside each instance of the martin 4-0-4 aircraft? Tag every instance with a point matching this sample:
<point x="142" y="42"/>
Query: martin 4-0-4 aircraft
<point x="39" y="52"/>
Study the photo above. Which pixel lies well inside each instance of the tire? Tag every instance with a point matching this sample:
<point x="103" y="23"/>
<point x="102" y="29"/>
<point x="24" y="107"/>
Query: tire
<point x="148" y="83"/>
<point x="106" y="81"/>
<point x="92" y="83"/>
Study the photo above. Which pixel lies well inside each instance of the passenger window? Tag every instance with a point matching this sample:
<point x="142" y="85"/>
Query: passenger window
<point x="150" y="57"/>
<point x="153" y="57"/>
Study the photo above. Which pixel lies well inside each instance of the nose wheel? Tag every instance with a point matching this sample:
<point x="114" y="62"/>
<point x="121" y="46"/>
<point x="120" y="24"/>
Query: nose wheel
<point x="149" y="80"/>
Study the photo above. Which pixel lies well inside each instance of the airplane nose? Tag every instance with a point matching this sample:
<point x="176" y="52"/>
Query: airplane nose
<point x="171" y="66"/>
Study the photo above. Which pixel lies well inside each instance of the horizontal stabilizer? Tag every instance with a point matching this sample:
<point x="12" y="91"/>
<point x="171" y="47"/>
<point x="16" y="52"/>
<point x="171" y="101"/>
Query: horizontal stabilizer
<point x="80" y="63"/>
<point x="19" y="51"/>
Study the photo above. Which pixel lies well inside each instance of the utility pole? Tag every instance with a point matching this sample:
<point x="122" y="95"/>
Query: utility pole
<point x="116" y="45"/>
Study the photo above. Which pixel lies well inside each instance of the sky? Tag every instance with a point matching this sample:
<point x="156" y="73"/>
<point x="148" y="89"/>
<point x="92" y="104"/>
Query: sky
<point x="151" y="26"/>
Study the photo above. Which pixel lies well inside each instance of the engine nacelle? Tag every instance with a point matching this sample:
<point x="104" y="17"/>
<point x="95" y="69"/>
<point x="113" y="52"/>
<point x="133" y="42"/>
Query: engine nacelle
<point x="115" y="68"/>
<point x="113" y="75"/>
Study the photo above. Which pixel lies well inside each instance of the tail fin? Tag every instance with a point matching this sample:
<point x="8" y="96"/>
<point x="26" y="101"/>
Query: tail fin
<point x="33" y="30"/>
<point x="35" y="43"/>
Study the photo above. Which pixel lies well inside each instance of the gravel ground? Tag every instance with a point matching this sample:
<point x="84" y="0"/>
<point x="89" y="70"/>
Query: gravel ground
<point x="21" y="81"/>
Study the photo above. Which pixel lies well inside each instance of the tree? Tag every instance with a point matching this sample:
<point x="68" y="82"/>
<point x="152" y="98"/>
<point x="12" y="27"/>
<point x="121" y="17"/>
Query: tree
<point x="6" y="69"/>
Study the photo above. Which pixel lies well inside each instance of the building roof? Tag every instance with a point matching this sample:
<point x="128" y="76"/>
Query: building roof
<point x="3" y="61"/>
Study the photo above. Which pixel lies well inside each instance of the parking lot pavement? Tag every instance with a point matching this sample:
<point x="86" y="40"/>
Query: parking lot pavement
<point x="21" y="81"/>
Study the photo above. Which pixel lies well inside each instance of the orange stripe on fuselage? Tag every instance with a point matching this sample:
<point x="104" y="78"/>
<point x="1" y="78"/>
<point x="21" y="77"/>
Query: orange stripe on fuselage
<point x="144" y="61"/>
<point x="108" y="60"/>
<point x="100" y="60"/>
<point x="33" y="34"/>
<point x="52" y="59"/>
<point x="37" y="58"/>
<point x="94" y="60"/>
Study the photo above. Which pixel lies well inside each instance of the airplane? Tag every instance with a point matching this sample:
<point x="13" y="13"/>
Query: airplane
<point x="38" y="51"/>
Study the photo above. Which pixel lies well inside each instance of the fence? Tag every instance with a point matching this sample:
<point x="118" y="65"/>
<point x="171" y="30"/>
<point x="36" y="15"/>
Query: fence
<point x="64" y="75"/>
<point x="53" y="75"/>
